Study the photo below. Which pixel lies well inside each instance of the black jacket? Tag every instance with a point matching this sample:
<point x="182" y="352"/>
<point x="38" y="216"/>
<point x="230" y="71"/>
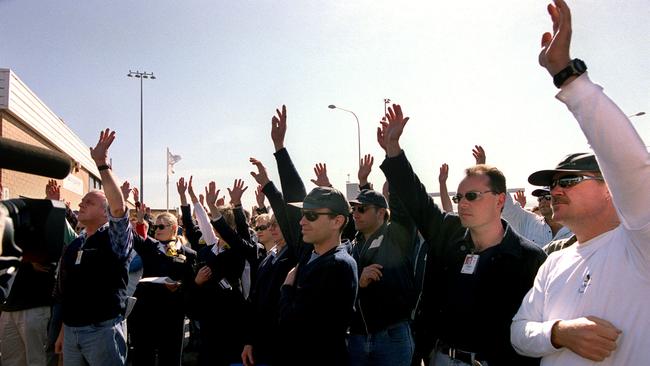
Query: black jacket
<point x="391" y="299"/>
<point x="469" y="312"/>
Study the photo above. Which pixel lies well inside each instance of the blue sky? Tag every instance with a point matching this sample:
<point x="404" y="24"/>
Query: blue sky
<point x="465" y="72"/>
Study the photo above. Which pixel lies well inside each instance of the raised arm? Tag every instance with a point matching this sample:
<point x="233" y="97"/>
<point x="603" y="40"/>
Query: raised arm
<point x="402" y="179"/>
<point x="291" y="184"/>
<point x="322" y="180"/>
<point x="365" y="167"/>
<point x="99" y="153"/>
<point x="236" y="193"/>
<point x="444" y="193"/>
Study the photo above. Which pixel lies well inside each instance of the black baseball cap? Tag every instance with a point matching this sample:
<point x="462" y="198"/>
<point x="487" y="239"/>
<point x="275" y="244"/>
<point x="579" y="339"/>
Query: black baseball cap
<point x="541" y="192"/>
<point x="325" y="197"/>
<point x="572" y="163"/>
<point x="370" y="197"/>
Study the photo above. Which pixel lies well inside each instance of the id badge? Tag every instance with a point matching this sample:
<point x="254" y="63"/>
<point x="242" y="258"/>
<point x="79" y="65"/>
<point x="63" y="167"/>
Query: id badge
<point x="77" y="261"/>
<point x="469" y="267"/>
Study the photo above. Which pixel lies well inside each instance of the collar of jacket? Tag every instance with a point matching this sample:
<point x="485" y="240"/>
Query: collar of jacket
<point x="510" y="243"/>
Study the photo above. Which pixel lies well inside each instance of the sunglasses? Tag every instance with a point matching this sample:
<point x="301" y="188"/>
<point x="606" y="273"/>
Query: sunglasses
<point x="546" y="197"/>
<point x="360" y="208"/>
<point x="569" y="181"/>
<point x="313" y="215"/>
<point x="160" y="226"/>
<point x="470" y="196"/>
<point x="262" y="227"/>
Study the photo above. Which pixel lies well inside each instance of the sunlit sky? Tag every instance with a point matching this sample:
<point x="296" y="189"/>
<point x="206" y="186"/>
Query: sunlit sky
<point x="466" y="73"/>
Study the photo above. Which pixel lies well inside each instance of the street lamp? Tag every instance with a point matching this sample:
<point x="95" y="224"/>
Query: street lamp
<point x="141" y="76"/>
<point x="332" y="106"/>
<point x="386" y="101"/>
<point x="638" y="114"/>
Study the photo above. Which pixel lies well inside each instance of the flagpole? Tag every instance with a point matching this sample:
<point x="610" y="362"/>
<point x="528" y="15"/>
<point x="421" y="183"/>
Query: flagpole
<point x="167" y="157"/>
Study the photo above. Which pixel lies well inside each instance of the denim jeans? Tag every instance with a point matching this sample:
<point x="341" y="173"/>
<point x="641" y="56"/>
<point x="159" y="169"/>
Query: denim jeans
<point x="392" y="346"/>
<point x="100" y="344"/>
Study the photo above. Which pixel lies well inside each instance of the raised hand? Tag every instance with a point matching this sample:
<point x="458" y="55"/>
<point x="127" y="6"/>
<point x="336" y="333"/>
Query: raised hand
<point x="181" y="187"/>
<point x="99" y="153"/>
<point x="211" y="195"/>
<point x="260" y="196"/>
<point x="202" y="199"/>
<point x="190" y="190"/>
<point x="261" y="177"/>
<point x="320" y="169"/>
<point x="136" y="194"/>
<point x="365" y="167"/>
<point x="52" y="190"/>
<point x="554" y="55"/>
<point x="391" y="130"/>
<point x="444" y="174"/>
<point x="479" y="154"/>
<point x="141" y="212"/>
<point x="236" y="192"/>
<point x="521" y="198"/>
<point x="279" y="128"/>
<point x="126" y="190"/>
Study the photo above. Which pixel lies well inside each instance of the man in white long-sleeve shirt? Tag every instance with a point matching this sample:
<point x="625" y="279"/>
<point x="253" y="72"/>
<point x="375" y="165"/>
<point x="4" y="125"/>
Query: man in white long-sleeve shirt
<point x="591" y="301"/>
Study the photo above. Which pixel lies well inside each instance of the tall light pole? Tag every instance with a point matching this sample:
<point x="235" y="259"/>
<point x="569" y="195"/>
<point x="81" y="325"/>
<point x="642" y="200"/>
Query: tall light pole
<point x="638" y="114"/>
<point x="141" y="75"/>
<point x="332" y="106"/>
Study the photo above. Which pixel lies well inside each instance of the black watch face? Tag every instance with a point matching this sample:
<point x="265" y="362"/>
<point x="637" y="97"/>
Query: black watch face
<point x="579" y="66"/>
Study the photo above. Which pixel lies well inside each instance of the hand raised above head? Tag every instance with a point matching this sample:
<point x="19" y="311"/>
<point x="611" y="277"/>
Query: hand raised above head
<point x="190" y="190"/>
<point x="279" y="128"/>
<point x="444" y="173"/>
<point x="391" y="129"/>
<point x="261" y="177"/>
<point x="554" y="55"/>
<point x="236" y="192"/>
<point x="365" y="167"/>
<point x="479" y="154"/>
<point x="322" y="180"/>
<point x="99" y="153"/>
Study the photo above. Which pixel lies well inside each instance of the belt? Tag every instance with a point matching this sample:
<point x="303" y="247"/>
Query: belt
<point x="470" y="358"/>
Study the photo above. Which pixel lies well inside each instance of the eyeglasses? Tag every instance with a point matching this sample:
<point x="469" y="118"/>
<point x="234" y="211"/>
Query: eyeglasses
<point x="470" y="196"/>
<point x="569" y="181"/>
<point x="546" y="197"/>
<point x="360" y="208"/>
<point x="262" y="227"/>
<point x="160" y="226"/>
<point x="313" y="215"/>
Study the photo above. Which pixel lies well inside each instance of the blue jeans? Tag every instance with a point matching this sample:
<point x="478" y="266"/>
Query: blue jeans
<point x="100" y="344"/>
<point x="392" y="346"/>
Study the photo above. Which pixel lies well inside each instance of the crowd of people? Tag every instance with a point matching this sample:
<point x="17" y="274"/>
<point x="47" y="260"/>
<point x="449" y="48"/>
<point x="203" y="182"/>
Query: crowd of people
<point x="387" y="278"/>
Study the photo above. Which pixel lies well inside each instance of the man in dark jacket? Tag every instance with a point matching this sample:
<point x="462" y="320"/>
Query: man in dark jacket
<point x="380" y="333"/>
<point x="478" y="268"/>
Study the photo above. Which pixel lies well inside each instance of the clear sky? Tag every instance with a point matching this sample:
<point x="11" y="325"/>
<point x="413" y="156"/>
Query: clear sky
<point x="466" y="73"/>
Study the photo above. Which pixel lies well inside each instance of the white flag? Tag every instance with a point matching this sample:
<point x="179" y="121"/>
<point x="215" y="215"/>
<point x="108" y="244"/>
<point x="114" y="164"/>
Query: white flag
<point x="171" y="160"/>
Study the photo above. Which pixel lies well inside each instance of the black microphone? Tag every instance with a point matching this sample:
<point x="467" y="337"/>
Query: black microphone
<point x="31" y="159"/>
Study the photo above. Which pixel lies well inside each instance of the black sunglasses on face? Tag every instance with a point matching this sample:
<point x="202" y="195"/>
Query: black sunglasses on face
<point x="313" y="215"/>
<point x="470" y="196"/>
<point x="160" y="227"/>
<point x="569" y="181"/>
<point x="262" y="227"/>
<point x="360" y="208"/>
<point x="546" y="197"/>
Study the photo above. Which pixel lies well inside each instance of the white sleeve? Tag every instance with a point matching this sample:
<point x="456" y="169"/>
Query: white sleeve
<point x="620" y="151"/>
<point x="204" y="224"/>
<point x="530" y="335"/>
<point x="526" y="223"/>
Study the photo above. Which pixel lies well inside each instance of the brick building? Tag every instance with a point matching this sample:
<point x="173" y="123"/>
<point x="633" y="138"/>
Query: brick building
<point x="25" y="118"/>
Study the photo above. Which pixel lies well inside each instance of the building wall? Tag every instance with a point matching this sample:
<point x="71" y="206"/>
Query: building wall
<point x="28" y="185"/>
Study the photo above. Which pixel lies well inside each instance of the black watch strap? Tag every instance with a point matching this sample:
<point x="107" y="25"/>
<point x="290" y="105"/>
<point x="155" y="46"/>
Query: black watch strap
<point x="576" y="67"/>
<point x="103" y="167"/>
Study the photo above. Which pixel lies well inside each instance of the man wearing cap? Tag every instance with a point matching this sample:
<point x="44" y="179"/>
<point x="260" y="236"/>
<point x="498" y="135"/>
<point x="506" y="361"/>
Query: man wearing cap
<point x="478" y="267"/>
<point x="317" y="297"/>
<point x="590" y="301"/>
<point x="383" y="249"/>
<point x="538" y="229"/>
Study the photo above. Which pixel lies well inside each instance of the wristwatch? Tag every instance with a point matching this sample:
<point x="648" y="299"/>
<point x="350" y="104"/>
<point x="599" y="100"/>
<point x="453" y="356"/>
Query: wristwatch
<point x="576" y="67"/>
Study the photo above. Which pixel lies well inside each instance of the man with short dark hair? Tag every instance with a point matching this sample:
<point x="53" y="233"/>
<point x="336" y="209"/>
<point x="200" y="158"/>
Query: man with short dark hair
<point x="383" y="248"/>
<point x="478" y="268"/>
<point x="94" y="273"/>
<point x="590" y="301"/>
<point x="318" y="295"/>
